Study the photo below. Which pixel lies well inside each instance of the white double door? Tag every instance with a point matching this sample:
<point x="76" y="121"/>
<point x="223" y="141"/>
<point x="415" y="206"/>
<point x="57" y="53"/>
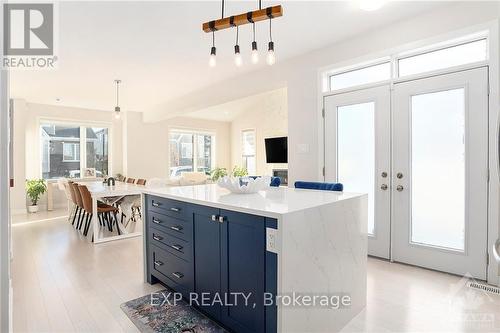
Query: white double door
<point x="420" y="151"/>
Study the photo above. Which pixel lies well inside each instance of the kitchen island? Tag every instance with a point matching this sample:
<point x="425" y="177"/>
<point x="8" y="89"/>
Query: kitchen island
<point x="297" y="257"/>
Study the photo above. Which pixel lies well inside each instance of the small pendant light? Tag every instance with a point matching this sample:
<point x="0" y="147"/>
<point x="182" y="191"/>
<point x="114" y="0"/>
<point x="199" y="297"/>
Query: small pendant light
<point x="238" y="60"/>
<point x="213" y="52"/>
<point x="117" y="107"/>
<point x="271" y="58"/>
<point x="255" y="52"/>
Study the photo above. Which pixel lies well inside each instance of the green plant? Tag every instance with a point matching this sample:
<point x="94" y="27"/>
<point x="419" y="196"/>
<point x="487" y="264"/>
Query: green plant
<point x="218" y="173"/>
<point x="35" y="188"/>
<point x="239" y="171"/>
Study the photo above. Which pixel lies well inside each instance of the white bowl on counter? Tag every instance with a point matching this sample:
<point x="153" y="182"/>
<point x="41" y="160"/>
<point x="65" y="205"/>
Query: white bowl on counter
<point x="244" y="185"/>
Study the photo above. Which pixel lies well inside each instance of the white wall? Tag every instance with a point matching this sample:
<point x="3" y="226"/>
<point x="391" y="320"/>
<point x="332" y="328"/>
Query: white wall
<point x="27" y="144"/>
<point x="269" y="118"/>
<point x="147" y="143"/>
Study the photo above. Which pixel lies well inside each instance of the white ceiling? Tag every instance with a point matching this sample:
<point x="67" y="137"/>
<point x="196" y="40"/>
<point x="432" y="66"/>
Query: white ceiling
<point x="160" y="53"/>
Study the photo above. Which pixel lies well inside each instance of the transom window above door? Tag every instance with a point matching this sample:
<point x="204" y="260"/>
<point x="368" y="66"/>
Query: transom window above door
<point x="69" y="149"/>
<point x="463" y="51"/>
<point x="191" y="151"/>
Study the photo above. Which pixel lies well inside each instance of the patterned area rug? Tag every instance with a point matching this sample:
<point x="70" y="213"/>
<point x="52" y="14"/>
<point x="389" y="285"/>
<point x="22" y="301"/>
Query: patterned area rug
<point x="159" y="313"/>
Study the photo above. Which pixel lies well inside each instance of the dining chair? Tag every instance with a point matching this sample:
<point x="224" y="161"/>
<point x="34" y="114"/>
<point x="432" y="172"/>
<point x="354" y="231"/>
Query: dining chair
<point x="141" y="181"/>
<point x="130" y="180"/>
<point x="103" y="212"/>
<point x="79" y="202"/>
<point x="69" y="197"/>
<point x="319" y="186"/>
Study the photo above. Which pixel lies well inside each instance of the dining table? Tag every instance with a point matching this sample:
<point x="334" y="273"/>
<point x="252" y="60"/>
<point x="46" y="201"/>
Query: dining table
<point x="111" y="194"/>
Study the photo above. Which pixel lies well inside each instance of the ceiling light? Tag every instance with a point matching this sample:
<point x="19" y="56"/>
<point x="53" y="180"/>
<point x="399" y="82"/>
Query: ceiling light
<point x="237" y="55"/>
<point x="255" y="51"/>
<point x="271" y="57"/>
<point x="371" y="5"/>
<point x="117" y="107"/>
<point x="213" y="52"/>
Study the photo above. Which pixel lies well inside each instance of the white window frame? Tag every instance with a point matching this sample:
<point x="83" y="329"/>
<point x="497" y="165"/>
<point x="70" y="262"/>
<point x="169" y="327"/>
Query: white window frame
<point x="188" y="131"/>
<point x="244" y="157"/>
<point x="82" y="139"/>
<point x="74" y="145"/>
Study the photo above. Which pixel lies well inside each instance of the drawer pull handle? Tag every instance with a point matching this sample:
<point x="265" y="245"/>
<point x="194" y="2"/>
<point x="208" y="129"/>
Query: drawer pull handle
<point x="222" y="219"/>
<point x="176" y="247"/>
<point x="174" y="209"/>
<point x="158" y="263"/>
<point x="156" y="221"/>
<point x="156" y="204"/>
<point x="214" y="218"/>
<point x="178" y="275"/>
<point x="158" y="238"/>
<point x="176" y="227"/>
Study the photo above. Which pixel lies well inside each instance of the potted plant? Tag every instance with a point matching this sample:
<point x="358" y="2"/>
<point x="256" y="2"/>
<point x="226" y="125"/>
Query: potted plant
<point x="218" y="173"/>
<point x="34" y="189"/>
<point x="239" y="171"/>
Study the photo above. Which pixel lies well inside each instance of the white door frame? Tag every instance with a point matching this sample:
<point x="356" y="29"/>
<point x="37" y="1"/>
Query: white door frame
<point x="472" y="259"/>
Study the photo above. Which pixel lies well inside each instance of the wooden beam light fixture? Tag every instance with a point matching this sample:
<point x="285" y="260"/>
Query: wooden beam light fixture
<point x="236" y="21"/>
<point x="242" y="19"/>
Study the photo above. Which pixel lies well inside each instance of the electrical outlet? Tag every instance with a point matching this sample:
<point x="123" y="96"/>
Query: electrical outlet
<point x="272" y="240"/>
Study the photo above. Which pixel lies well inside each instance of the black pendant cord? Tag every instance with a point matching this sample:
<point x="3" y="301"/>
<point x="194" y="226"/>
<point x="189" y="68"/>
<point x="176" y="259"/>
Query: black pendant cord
<point x="222" y="8"/>
<point x="117" y="94"/>
<point x="270" y="31"/>
<point x="260" y="4"/>
<point x="253" y="24"/>
<point x="213" y="38"/>
<point x="237" y="34"/>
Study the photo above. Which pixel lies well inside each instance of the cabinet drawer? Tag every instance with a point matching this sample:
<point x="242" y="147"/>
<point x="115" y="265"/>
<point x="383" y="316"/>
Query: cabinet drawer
<point x="171" y="244"/>
<point x="177" y="209"/>
<point x="179" y="273"/>
<point x="176" y="227"/>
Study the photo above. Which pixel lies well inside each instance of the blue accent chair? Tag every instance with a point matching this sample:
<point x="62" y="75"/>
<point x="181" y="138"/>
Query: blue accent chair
<point x="275" y="181"/>
<point x="320" y="186"/>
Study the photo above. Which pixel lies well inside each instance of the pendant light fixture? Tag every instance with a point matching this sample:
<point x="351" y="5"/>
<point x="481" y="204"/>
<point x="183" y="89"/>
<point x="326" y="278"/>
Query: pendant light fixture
<point x="238" y="60"/>
<point x="117" y="107"/>
<point x="271" y="58"/>
<point x="213" y="52"/>
<point x="255" y="51"/>
<point x="241" y="19"/>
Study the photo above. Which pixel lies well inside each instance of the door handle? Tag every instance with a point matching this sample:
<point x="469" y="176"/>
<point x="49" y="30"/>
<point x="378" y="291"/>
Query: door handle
<point x="174" y="209"/>
<point x="222" y="219"/>
<point x="156" y="204"/>
<point x="399" y="188"/>
<point x="214" y="218"/>
<point x="178" y="275"/>
<point x="158" y="263"/>
<point x="156" y="221"/>
<point x="384" y="187"/>
<point x="157" y="238"/>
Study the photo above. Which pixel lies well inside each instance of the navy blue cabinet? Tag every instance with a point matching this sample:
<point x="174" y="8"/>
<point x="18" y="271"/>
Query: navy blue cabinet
<point x="214" y="253"/>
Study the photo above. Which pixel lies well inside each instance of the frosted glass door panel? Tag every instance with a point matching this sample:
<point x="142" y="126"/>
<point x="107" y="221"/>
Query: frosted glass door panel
<point x="438" y="169"/>
<point x="356" y="152"/>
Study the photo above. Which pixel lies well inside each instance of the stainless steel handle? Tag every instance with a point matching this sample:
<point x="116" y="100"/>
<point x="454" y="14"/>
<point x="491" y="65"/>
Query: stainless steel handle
<point x="176" y="247"/>
<point x="178" y="275"/>
<point x="222" y="219"/>
<point x="399" y="175"/>
<point x="158" y="263"/>
<point x="176" y="227"/>
<point x="214" y="218"/>
<point x="174" y="209"/>
<point x="399" y="188"/>
<point x="384" y="187"/>
<point x="156" y="221"/>
<point x="384" y="174"/>
<point x="158" y="238"/>
<point x="156" y="204"/>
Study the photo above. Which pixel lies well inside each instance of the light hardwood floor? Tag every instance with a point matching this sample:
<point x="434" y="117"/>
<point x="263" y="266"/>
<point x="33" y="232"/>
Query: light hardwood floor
<point x="63" y="284"/>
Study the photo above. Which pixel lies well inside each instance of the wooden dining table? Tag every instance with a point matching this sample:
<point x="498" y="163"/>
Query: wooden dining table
<point x="111" y="194"/>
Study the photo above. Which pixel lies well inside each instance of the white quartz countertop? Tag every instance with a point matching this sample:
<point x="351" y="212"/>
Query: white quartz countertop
<point x="274" y="202"/>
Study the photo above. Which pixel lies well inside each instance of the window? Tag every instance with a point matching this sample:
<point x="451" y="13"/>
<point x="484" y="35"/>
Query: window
<point x="191" y="151"/>
<point x="71" y="152"/>
<point x="61" y="146"/>
<point x="356" y="77"/>
<point x="457" y="55"/>
<point x="248" y="151"/>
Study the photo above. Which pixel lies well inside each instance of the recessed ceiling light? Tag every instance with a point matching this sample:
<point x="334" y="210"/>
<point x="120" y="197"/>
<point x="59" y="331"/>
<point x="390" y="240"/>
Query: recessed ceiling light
<point x="58" y="99"/>
<point x="370" y="5"/>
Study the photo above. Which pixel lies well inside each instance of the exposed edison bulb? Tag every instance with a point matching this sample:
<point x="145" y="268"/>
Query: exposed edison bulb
<point x="238" y="60"/>
<point x="271" y="58"/>
<point x="213" y="58"/>
<point x="117" y="115"/>
<point x="255" y="53"/>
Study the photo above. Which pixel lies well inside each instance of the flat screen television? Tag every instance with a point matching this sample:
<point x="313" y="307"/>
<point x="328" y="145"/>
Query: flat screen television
<point x="277" y="150"/>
